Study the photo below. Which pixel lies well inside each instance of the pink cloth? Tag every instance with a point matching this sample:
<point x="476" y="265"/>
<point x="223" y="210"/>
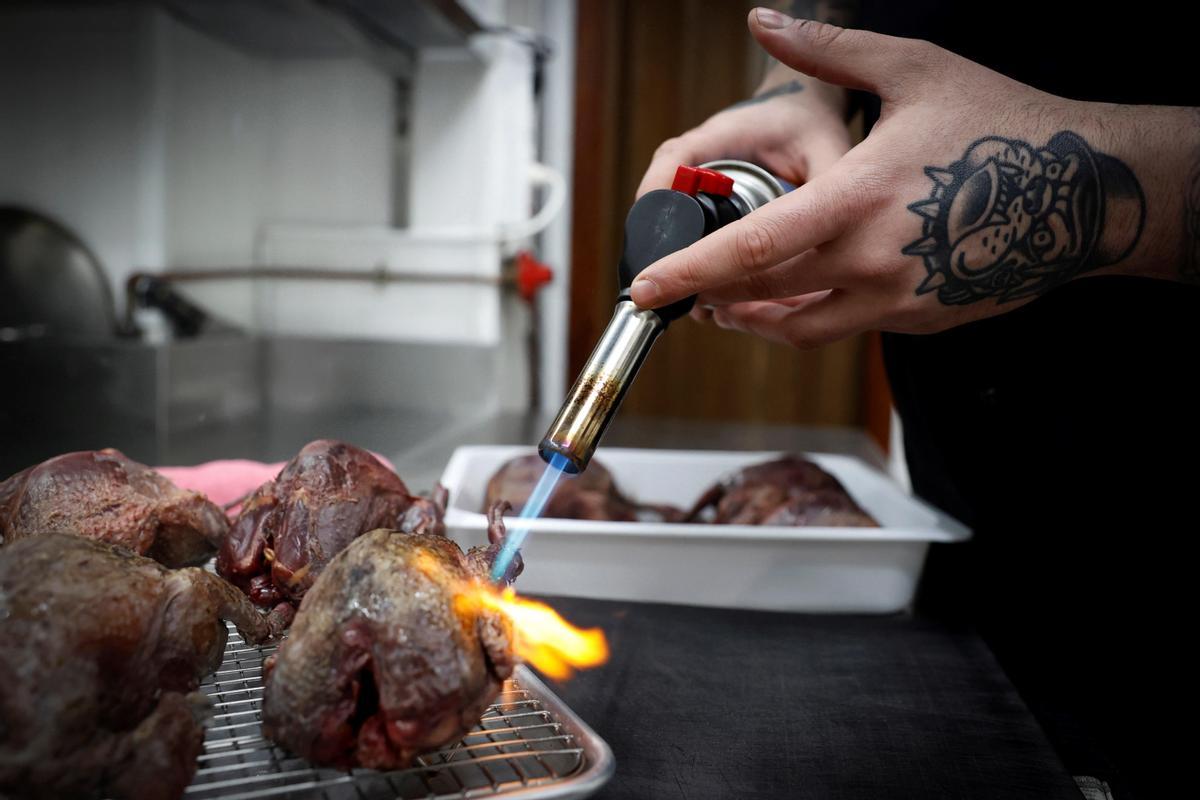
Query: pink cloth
<point x="223" y="482"/>
<point x="229" y="480"/>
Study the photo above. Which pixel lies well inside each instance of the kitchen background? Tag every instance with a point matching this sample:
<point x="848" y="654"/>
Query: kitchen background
<point x="230" y="227"/>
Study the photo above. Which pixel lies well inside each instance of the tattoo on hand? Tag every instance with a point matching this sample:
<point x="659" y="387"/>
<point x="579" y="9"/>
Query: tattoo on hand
<point x="791" y="87"/>
<point x="1189" y="268"/>
<point x="1009" y="221"/>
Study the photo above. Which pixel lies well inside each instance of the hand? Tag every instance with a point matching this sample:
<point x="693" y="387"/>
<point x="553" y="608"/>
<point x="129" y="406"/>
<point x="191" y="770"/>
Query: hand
<point x="794" y="127"/>
<point x="972" y="195"/>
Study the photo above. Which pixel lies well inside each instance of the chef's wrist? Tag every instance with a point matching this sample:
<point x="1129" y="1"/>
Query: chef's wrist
<point x="1160" y="147"/>
<point x="804" y="89"/>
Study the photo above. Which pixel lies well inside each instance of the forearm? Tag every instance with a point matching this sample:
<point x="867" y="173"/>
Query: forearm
<point x="1049" y="190"/>
<point x="780" y="79"/>
<point x="1161" y="147"/>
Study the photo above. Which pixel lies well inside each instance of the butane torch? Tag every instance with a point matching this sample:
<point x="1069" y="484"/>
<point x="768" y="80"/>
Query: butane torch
<point x="701" y="200"/>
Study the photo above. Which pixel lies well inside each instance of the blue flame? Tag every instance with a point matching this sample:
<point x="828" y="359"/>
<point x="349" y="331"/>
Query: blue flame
<point x="533" y="509"/>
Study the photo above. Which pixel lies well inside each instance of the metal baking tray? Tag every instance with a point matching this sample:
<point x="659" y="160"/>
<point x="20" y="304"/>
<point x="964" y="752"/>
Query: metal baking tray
<point x="527" y="745"/>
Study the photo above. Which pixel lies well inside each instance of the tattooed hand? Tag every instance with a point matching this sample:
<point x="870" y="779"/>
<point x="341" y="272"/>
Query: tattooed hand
<point x="972" y="195"/>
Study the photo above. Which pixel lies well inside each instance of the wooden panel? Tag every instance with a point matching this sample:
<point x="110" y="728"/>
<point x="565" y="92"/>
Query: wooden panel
<point x="877" y="394"/>
<point x="594" y="247"/>
<point x="648" y="71"/>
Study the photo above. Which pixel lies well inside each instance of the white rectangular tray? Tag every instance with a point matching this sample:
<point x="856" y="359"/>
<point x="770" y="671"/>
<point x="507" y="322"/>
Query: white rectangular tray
<point x="742" y="566"/>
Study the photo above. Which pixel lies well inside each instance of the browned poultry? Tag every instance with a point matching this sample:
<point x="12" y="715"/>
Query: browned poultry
<point x="389" y="655"/>
<point x="100" y="650"/>
<point x="592" y="494"/>
<point x="787" y="491"/>
<point x="104" y="495"/>
<point x="329" y="494"/>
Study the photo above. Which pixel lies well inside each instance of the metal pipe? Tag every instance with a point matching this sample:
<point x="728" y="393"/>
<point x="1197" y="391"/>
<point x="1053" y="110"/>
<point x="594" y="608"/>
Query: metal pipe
<point x="145" y="288"/>
<point x="188" y="318"/>
<point x="378" y="275"/>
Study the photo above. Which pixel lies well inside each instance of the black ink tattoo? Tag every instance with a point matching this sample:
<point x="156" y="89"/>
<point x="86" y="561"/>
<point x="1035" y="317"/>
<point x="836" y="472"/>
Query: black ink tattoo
<point x="1189" y="268"/>
<point x="1010" y="221"/>
<point x="791" y="87"/>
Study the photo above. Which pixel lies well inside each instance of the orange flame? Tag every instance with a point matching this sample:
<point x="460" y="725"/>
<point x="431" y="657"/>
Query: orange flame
<point x="546" y="640"/>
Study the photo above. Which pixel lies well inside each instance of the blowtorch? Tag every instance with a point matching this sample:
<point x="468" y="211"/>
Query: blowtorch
<point x="701" y="200"/>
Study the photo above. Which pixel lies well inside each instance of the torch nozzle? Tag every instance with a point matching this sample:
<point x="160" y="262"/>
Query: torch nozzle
<point x="600" y="387"/>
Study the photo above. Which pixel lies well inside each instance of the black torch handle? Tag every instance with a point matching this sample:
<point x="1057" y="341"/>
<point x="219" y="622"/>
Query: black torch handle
<point x="659" y="223"/>
<point x="665" y="221"/>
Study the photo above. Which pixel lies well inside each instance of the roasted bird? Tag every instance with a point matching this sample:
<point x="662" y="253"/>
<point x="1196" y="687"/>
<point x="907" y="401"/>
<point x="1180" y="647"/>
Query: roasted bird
<point x="788" y="491"/>
<point x="103" y="495"/>
<point x="324" y="498"/>
<point x="100" y="649"/>
<point x="592" y="494"/>
<point x="391" y="654"/>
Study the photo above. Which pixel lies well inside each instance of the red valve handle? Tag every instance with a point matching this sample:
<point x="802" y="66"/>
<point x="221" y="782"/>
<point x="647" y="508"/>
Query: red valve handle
<point x="531" y="275"/>
<point x="691" y="180"/>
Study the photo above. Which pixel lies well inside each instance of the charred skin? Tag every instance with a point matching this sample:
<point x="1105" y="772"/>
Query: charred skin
<point x="592" y="494"/>
<point x="388" y="657"/>
<point x="289" y="529"/>
<point x="790" y="491"/>
<point x="100" y="651"/>
<point x="104" y="495"/>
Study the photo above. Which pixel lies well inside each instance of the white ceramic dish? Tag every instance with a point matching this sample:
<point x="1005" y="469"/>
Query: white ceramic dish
<point x="774" y="568"/>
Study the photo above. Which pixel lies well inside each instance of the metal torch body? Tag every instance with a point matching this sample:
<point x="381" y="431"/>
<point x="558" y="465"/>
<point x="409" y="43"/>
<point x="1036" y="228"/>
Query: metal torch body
<point x="661" y="222"/>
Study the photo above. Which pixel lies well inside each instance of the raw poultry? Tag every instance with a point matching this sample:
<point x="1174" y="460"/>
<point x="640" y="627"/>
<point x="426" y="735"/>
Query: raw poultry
<point x="288" y="530"/>
<point x="104" y="495"/>
<point x="101" y="649"/>
<point x="391" y="654"/>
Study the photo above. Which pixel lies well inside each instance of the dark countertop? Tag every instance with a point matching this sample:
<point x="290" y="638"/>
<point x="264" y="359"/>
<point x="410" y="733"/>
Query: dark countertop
<point x="720" y="703"/>
<point x="723" y="703"/>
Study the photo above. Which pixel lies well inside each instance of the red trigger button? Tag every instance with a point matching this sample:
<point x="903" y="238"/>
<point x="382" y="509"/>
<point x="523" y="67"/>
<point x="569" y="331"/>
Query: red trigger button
<point x="691" y="180"/>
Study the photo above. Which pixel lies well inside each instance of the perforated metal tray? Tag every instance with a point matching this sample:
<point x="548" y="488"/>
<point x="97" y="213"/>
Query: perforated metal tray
<point x="527" y="745"/>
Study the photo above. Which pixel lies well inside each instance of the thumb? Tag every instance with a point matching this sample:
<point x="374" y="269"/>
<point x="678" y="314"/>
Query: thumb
<point x="841" y="56"/>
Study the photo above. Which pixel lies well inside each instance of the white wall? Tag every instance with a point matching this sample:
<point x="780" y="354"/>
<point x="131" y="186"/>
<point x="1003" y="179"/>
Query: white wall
<point x="163" y="147"/>
<point x="253" y="141"/>
<point x="558" y="145"/>
<point x="472" y="137"/>
<point x="74" y="103"/>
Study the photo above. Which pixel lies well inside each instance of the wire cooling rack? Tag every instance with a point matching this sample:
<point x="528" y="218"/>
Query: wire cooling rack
<point x="527" y="745"/>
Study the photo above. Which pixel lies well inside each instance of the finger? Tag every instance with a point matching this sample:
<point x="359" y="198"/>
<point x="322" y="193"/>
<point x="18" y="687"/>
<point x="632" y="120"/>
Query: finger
<point x="824" y="318"/>
<point x="731" y="316"/>
<point x="842" y="56"/>
<point x="811" y="271"/>
<point x="694" y="147"/>
<point x="806" y="217"/>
